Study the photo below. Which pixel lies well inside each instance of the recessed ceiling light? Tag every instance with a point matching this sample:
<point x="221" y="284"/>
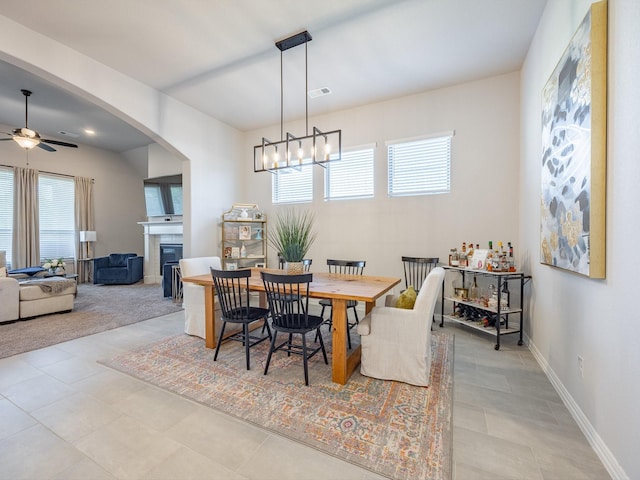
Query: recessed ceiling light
<point x="88" y="131"/>
<point x="68" y="134"/>
<point x="319" y="92"/>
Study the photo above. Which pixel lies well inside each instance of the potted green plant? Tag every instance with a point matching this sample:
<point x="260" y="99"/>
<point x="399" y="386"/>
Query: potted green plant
<point x="292" y="235"/>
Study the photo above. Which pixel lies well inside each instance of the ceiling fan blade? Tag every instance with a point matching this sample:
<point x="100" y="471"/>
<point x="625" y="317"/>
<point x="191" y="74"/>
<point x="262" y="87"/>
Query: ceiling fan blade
<point x="46" y="147"/>
<point x="62" y="144"/>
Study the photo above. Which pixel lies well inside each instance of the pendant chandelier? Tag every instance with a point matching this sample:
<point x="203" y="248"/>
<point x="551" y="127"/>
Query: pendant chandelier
<point x="292" y="151"/>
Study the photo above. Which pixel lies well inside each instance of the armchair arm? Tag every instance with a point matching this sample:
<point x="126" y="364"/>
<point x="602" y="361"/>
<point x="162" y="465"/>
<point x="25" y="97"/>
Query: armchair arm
<point x="391" y="300"/>
<point x="394" y="323"/>
<point x="134" y="265"/>
<point x="9" y="299"/>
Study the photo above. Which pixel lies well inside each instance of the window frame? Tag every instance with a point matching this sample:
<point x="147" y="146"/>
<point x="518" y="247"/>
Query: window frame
<point x="57" y="237"/>
<point x="305" y="185"/>
<point x="6" y="211"/>
<point x="350" y="165"/>
<point x="417" y="153"/>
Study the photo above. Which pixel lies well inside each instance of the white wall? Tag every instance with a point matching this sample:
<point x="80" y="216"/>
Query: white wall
<point x="209" y="148"/>
<point x="572" y="315"/>
<point x="161" y="162"/>
<point x="118" y="189"/>
<point x="483" y="202"/>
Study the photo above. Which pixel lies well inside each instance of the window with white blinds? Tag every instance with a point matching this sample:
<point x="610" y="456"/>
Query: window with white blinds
<point x="292" y="185"/>
<point x="56" y="206"/>
<point x="6" y="211"/>
<point x="351" y="176"/>
<point x="420" y="166"/>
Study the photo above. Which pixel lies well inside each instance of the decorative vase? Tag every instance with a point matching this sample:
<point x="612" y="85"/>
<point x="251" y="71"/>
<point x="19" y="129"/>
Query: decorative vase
<point x="59" y="271"/>
<point x="52" y="271"/>
<point x="293" y="268"/>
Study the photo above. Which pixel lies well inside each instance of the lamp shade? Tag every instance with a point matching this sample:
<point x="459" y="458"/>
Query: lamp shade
<point x="88" y="236"/>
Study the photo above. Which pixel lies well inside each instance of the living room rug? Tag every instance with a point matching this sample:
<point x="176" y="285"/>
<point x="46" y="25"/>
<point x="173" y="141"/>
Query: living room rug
<point x="96" y="308"/>
<point x="391" y="428"/>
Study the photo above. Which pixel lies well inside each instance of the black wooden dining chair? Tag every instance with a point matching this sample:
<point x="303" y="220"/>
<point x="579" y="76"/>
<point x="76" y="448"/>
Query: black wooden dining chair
<point x="347" y="267"/>
<point x="416" y="270"/>
<point x="232" y="289"/>
<point x="288" y="297"/>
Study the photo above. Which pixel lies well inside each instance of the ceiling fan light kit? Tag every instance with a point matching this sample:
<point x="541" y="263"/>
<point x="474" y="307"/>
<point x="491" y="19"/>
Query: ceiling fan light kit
<point x="291" y="152"/>
<point x="27" y="142"/>
<point x="27" y="138"/>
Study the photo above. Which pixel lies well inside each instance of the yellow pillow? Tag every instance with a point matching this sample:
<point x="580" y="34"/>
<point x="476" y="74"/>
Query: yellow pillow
<point x="407" y="298"/>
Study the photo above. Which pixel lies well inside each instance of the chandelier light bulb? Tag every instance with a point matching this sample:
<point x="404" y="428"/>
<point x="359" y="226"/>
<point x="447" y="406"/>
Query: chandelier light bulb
<point x="327" y="151"/>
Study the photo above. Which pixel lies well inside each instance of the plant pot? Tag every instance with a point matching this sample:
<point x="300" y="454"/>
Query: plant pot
<point x="294" y="268"/>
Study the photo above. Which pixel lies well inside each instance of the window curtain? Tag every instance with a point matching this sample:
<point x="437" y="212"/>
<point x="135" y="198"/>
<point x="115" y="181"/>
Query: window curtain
<point x="26" y="228"/>
<point x="83" y="210"/>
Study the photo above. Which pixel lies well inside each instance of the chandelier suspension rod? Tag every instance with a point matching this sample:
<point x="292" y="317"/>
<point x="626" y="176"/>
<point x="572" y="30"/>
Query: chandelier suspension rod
<point x="306" y="90"/>
<point x="281" y="100"/>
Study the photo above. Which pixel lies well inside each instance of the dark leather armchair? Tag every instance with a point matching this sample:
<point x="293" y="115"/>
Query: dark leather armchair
<point x="117" y="269"/>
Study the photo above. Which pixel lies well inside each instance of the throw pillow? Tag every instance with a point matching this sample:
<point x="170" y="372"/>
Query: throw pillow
<point x="407" y="298"/>
<point x="3" y="271"/>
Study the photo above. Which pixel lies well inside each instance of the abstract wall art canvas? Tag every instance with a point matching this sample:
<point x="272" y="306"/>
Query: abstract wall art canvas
<point x="572" y="225"/>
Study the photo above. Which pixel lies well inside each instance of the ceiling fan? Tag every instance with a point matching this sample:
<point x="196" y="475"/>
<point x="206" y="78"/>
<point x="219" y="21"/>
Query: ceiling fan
<point x="27" y="138"/>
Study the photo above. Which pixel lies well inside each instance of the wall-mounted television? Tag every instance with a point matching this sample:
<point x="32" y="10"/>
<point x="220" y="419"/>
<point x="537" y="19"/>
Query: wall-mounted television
<point x="163" y="195"/>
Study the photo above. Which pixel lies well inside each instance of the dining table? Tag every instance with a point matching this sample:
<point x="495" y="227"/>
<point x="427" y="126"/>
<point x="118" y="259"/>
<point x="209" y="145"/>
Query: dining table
<point x="339" y="288"/>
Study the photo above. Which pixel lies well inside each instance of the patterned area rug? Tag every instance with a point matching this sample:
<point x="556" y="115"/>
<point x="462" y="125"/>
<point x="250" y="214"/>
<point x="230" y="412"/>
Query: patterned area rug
<point x="394" y="429"/>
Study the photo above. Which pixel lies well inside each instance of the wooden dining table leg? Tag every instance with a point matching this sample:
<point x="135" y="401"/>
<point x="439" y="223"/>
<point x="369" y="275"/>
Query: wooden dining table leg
<point x="339" y="343"/>
<point x="343" y="363"/>
<point x="209" y="317"/>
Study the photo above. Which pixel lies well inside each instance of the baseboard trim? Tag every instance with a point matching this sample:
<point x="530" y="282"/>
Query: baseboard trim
<point x="602" y="451"/>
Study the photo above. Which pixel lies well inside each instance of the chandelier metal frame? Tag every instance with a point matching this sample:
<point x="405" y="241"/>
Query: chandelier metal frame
<point x="271" y="156"/>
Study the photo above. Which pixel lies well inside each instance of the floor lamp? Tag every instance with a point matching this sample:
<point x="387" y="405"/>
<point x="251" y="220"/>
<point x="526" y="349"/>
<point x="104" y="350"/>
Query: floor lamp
<point x="87" y="237"/>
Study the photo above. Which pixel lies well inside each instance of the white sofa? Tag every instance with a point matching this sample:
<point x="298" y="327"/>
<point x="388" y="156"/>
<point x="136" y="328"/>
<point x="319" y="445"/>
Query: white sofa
<point x="26" y="300"/>
<point x="396" y="343"/>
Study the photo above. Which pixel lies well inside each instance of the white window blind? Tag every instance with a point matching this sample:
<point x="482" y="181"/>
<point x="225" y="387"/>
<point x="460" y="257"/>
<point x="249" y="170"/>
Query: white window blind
<point x="292" y="185"/>
<point x="351" y="176"/>
<point x="420" y="167"/>
<point x="6" y="211"/>
<point x="56" y="206"/>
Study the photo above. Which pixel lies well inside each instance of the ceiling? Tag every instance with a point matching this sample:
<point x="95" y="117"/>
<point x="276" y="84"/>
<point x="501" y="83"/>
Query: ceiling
<point x="219" y="55"/>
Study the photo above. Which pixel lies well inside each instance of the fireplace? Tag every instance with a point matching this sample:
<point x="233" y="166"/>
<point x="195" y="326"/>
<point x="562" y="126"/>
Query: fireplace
<point x="169" y="252"/>
<point x="165" y="233"/>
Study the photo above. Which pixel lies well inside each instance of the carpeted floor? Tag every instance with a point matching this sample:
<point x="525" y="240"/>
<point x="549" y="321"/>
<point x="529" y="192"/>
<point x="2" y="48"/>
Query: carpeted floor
<point x="96" y="308"/>
<point x="394" y="429"/>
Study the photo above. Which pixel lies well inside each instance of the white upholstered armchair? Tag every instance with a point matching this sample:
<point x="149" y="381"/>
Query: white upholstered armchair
<point x="396" y="342"/>
<point x="193" y="295"/>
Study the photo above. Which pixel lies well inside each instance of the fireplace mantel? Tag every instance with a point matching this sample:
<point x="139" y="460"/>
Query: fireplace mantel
<point x="162" y="227"/>
<point x="155" y="233"/>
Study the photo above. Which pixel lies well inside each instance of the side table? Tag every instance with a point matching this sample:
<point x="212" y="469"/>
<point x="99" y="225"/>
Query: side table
<point x="176" y="284"/>
<point x="85" y="270"/>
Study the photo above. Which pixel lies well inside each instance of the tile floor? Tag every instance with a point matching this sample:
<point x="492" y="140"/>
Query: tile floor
<point x="64" y="416"/>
